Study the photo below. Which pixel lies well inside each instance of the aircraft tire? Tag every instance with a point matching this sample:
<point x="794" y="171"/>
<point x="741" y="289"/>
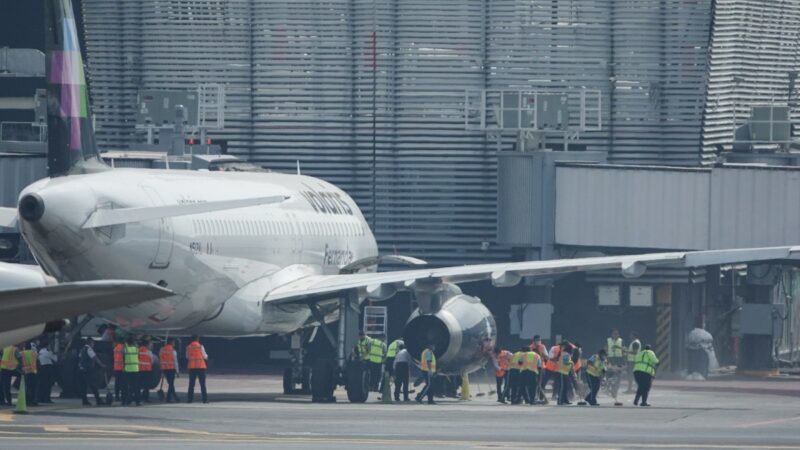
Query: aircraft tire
<point x="358" y="382"/>
<point x="288" y="383"/>
<point x="323" y="381"/>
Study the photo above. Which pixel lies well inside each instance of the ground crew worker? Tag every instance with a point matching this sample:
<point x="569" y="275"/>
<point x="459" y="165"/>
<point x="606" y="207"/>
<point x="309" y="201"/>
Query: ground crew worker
<point x="538" y="347"/>
<point x="633" y="350"/>
<point x="196" y="357"/>
<point x="29" y="358"/>
<point x="644" y="370"/>
<point x="515" y="377"/>
<point x="362" y="347"/>
<point x="595" y="369"/>
<point x="402" y="366"/>
<point x="575" y="387"/>
<point x="427" y="362"/>
<point x="119" y="367"/>
<point x="146" y="360"/>
<point x="87" y="360"/>
<point x="377" y="353"/>
<point x="168" y="357"/>
<point x="565" y="368"/>
<point x="391" y="353"/>
<point x="8" y="367"/>
<point x="551" y="370"/>
<point x="530" y="376"/>
<point x="502" y="361"/>
<point x="616" y="361"/>
<point x="47" y="373"/>
<point x="130" y="355"/>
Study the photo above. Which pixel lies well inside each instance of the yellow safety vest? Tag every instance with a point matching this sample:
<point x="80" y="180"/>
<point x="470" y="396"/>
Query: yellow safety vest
<point x="646" y="362"/>
<point x="362" y="347"/>
<point x="531" y="362"/>
<point x="392" y="352"/>
<point x="614" y="348"/>
<point x="423" y="361"/>
<point x="595" y="366"/>
<point x="131" y="353"/>
<point x="377" y="349"/>
<point x="518" y="361"/>
<point x="631" y="352"/>
<point x="29" y="361"/>
<point x="565" y="364"/>
<point x="9" y="361"/>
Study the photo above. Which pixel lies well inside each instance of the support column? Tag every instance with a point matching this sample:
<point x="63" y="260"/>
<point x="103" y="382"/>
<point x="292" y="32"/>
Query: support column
<point x="348" y="326"/>
<point x="755" y="350"/>
<point x="663" y="346"/>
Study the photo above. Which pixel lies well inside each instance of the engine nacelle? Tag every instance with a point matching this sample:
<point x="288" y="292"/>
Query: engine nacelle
<point x="463" y="331"/>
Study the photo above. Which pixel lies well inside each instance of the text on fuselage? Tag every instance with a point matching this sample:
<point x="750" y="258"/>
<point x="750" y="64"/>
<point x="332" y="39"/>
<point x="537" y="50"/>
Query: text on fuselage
<point x="326" y="202"/>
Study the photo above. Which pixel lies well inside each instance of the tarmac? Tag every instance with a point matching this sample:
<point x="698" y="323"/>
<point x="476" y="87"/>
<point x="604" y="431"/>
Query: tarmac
<point x="249" y="411"/>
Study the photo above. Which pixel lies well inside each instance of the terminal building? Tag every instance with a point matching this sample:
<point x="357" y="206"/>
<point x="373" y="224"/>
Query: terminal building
<point x="482" y="131"/>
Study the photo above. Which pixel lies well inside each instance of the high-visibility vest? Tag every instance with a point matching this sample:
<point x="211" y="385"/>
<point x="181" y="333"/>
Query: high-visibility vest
<point x="9" y="361"/>
<point x="531" y="362"/>
<point x="423" y="361"/>
<point x="565" y="364"/>
<point x="392" y="351"/>
<point x="194" y="353"/>
<point x="614" y="349"/>
<point x="595" y="366"/>
<point x="578" y="365"/>
<point x="362" y="347"/>
<point x="504" y="361"/>
<point x="517" y="361"/>
<point x="119" y="365"/>
<point x="145" y="360"/>
<point x="167" y="357"/>
<point x="552" y="363"/>
<point x="631" y="352"/>
<point x="646" y="362"/>
<point x="131" y="358"/>
<point x="377" y="349"/>
<point x="29" y="361"/>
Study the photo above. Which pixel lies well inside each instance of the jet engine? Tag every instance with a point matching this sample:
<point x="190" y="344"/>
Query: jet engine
<point x="462" y="330"/>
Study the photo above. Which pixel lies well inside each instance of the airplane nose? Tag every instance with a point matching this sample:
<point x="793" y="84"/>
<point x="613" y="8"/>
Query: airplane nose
<point x="31" y="207"/>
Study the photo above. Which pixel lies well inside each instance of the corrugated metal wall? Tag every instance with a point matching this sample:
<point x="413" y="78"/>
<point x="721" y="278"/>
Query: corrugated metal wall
<point x="755" y="44"/>
<point x="16" y="172"/>
<point x="302" y="87"/>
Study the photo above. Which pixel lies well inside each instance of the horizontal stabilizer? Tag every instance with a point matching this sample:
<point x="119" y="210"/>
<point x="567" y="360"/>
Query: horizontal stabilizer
<point x="23" y="307"/>
<point x="106" y="217"/>
<point x="8" y="217"/>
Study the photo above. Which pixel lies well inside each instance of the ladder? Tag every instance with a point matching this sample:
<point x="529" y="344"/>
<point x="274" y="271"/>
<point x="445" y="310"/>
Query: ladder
<point x="375" y="320"/>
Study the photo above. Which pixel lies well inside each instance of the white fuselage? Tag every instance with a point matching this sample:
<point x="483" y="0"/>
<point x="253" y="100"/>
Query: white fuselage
<point x="219" y="264"/>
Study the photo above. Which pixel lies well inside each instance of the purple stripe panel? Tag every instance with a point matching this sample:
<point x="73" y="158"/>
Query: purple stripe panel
<point x="66" y="68"/>
<point x="73" y="101"/>
<point x="75" y="133"/>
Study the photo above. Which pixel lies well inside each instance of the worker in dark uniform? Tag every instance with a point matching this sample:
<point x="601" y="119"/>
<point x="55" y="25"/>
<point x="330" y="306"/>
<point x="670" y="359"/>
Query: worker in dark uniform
<point x="427" y="362"/>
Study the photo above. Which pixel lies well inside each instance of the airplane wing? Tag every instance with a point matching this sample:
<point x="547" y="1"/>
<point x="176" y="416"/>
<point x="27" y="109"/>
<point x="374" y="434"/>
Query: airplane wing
<point x="30" y="306"/>
<point x="8" y="217"/>
<point x="383" y="284"/>
<point x="106" y="217"/>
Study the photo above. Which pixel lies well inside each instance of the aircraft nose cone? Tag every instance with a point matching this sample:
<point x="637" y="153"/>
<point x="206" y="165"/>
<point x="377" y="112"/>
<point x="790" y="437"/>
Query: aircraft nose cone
<point x="31" y="207"/>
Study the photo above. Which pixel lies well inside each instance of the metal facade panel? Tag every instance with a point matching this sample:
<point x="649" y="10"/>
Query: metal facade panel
<point x="632" y="208"/>
<point x="755" y="46"/>
<point x="519" y="201"/>
<point x="16" y="172"/>
<point x="755" y="207"/>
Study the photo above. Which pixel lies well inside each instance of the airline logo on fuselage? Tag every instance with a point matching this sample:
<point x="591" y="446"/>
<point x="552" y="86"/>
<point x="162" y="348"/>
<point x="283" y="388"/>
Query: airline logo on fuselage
<point x="326" y="202"/>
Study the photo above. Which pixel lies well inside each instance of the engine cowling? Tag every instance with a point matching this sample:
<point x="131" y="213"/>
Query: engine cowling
<point x="463" y="332"/>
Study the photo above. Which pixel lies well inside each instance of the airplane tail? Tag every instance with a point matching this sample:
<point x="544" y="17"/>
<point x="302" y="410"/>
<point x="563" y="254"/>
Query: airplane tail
<point x="71" y="146"/>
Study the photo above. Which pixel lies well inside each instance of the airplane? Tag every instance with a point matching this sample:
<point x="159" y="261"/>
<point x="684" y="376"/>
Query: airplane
<point x="32" y="303"/>
<point x="259" y="253"/>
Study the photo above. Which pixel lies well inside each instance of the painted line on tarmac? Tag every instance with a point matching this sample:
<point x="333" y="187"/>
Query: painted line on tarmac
<point x="768" y="422"/>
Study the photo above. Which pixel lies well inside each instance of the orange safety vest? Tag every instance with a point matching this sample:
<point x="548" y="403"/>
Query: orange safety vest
<point x="552" y="363"/>
<point x="578" y="365"/>
<point x="145" y="361"/>
<point x="194" y="353"/>
<point x="167" y="357"/>
<point x="119" y="364"/>
<point x="503" y="360"/>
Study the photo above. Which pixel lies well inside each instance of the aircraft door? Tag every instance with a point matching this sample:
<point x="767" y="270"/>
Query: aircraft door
<point x="165" y="234"/>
